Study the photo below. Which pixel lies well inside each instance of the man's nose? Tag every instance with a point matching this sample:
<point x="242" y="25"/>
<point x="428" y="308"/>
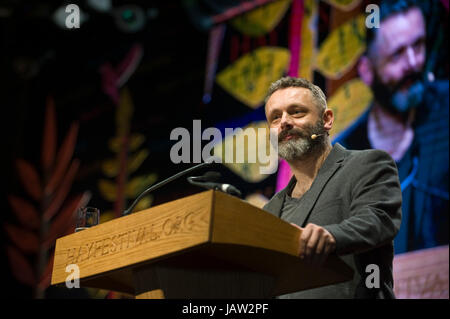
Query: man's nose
<point x="411" y="58"/>
<point x="286" y="121"/>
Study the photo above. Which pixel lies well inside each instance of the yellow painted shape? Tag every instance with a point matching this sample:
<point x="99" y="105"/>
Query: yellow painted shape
<point x="249" y="170"/>
<point x="308" y="41"/>
<point x="249" y="77"/>
<point x="144" y="203"/>
<point x="348" y="103"/>
<point x="106" y="216"/>
<point x="108" y="189"/>
<point x="136" y="141"/>
<point x="124" y="112"/>
<point x="138" y="184"/>
<point x="110" y="167"/>
<point x="345" y="5"/>
<point x="342" y="48"/>
<point x="261" y="20"/>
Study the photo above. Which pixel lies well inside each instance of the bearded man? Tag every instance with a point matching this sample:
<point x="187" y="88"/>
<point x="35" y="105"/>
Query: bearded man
<point x="344" y="202"/>
<point x="408" y="119"/>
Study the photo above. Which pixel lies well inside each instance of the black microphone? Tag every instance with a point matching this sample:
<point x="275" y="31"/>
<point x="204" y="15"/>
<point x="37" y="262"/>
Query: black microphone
<point x="164" y="182"/>
<point x="206" y="181"/>
<point x="210" y="176"/>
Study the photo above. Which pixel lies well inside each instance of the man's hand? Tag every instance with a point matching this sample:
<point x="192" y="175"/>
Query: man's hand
<point x="316" y="243"/>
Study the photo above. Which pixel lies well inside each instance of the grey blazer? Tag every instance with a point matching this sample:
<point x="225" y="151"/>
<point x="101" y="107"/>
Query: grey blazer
<point x="356" y="196"/>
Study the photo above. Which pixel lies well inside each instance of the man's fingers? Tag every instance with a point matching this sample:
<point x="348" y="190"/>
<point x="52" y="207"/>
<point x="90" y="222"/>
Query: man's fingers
<point x="329" y="247"/>
<point x="319" y="252"/>
<point x="315" y="244"/>
<point x="321" y="245"/>
<point x="312" y="244"/>
<point x="304" y="237"/>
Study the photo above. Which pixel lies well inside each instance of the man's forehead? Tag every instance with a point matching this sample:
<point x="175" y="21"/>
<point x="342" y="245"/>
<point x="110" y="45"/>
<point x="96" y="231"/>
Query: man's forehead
<point x="400" y="30"/>
<point x="290" y="94"/>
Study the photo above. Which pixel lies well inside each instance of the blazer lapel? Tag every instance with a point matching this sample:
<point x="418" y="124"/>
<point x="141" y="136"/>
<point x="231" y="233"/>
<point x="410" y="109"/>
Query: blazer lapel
<point x="276" y="203"/>
<point x="332" y="163"/>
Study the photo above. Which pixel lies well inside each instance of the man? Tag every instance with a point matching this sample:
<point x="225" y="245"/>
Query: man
<point x="344" y="202"/>
<point x="409" y="120"/>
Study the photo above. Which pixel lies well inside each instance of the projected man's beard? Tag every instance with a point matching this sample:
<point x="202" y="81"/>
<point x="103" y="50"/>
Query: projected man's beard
<point x="301" y="145"/>
<point x="394" y="98"/>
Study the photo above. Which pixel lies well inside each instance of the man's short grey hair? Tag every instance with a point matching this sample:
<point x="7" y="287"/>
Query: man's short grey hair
<point x="288" y="81"/>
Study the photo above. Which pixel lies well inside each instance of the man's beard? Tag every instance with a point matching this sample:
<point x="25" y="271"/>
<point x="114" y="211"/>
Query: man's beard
<point x="301" y="146"/>
<point x="394" y="99"/>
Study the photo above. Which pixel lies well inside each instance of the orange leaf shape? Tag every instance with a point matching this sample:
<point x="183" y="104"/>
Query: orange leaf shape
<point x="29" y="178"/>
<point x="63" y="159"/>
<point x="21" y="268"/>
<point x="65" y="219"/>
<point x="26" y="240"/>
<point x="25" y="212"/>
<point x="63" y="190"/>
<point x="49" y="138"/>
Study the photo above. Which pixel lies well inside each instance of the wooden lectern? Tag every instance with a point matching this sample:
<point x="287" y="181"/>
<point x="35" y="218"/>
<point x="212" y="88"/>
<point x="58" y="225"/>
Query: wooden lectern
<point x="208" y="245"/>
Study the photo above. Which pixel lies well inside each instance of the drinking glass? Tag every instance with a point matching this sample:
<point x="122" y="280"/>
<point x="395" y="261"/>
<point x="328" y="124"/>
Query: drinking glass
<point x="87" y="217"/>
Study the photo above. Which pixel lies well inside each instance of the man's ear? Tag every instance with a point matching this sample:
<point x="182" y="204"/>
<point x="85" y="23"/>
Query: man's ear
<point x="365" y="70"/>
<point x="328" y="119"/>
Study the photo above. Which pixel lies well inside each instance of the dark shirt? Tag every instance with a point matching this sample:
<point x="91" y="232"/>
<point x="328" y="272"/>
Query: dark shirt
<point x="423" y="171"/>
<point x="290" y="204"/>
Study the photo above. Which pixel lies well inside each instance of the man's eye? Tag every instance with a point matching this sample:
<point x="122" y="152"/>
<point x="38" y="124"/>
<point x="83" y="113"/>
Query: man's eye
<point x="418" y="44"/>
<point x="397" y="55"/>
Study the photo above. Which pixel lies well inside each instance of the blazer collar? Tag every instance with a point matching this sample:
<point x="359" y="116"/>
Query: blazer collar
<point x="331" y="164"/>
